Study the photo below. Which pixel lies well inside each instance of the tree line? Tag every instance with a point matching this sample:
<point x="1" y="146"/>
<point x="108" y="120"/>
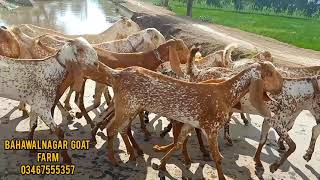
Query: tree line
<point x="309" y="8"/>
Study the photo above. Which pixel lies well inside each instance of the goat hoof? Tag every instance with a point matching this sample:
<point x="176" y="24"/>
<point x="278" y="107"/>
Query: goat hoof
<point x="146" y="137"/>
<point x="307" y="157"/>
<point x="92" y="143"/>
<point x="206" y="155"/>
<point x="113" y="161"/>
<point x="25" y="113"/>
<point x="155" y="166"/>
<point x="162" y="135"/>
<point x="273" y="167"/>
<point x="246" y="122"/>
<point x="158" y="167"/>
<point x="258" y="165"/>
<point x="70" y="117"/>
<point x="281" y="150"/>
<point x="228" y="141"/>
<point x="282" y="147"/>
<point x="140" y="152"/>
<point x="78" y="115"/>
<point x="187" y="162"/>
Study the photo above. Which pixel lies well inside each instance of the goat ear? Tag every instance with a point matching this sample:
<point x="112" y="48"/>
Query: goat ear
<point x="256" y="92"/>
<point x="175" y="61"/>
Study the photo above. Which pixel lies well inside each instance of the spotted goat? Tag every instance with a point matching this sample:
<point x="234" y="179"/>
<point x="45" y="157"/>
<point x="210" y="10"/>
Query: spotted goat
<point x="119" y="30"/>
<point x="37" y="82"/>
<point x="139" y="89"/>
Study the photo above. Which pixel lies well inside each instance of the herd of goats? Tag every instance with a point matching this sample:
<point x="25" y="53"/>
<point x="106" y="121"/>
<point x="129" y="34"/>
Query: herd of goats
<point x="151" y="74"/>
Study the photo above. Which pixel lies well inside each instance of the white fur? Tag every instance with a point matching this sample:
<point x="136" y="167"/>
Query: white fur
<point x="36" y="81"/>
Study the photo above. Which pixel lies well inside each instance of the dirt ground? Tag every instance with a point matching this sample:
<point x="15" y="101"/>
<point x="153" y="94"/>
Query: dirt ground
<point x="92" y="164"/>
<point x="237" y="163"/>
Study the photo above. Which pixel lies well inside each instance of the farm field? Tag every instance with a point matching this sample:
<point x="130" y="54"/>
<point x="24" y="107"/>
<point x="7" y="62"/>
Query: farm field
<point x="299" y="31"/>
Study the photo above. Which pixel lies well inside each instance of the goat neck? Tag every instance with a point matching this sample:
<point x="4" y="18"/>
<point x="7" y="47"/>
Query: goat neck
<point x="238" y="86"/>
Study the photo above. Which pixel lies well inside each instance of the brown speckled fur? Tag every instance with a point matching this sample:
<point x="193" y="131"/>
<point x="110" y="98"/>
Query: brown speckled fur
<point x="201" y="105"/>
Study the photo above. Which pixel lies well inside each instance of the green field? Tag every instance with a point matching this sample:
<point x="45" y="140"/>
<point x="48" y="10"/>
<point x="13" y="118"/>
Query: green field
<point x="299" y="31"/>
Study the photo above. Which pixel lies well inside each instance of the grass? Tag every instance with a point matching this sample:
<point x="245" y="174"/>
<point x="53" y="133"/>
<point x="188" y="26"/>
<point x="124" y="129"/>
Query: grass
<point x="299" y="31"/>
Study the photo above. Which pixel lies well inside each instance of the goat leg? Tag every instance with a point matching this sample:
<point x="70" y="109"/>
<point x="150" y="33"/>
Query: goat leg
<point x="128" y="145"/>
<point x="101" y="125"/>
<point x="245" y="120"/>
<point x="166" y="130"/>
<point x="22" y="107"/>
<point x="263" y="138"/>
<point x="97" y="99"/>
<point x="315" y="134"/>
<point x="227" y="137"/>
<point x="81" y="106"/>
<point x="176" y="126"/>
<point x="144" y="127"/>
<point x="107" y="95"/>
<point x="217" y="157"/>
<point x="282" y="132"/>
<point x="185" y="129"/>
<point x="67" y="100"/>
<point x="33" y="125"/>
<point x="205" y="153"/>
<point x="60" y="133"/>
<point x="133" y="141"/>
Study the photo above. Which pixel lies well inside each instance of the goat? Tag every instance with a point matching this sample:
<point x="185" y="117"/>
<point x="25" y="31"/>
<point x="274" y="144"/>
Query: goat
<point x="142" y="41"/>
<point x="119" y="30"/>
<point x="298" y="94"/>
<point x="36" y="82"/>
<point x="202" y="105"/>
<point x="172" y="49"/>
<point x="9" y="45"/>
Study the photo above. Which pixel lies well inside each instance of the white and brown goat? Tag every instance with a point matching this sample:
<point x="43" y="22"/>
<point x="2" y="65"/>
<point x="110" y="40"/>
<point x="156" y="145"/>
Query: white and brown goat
<point x="37" y="82"/>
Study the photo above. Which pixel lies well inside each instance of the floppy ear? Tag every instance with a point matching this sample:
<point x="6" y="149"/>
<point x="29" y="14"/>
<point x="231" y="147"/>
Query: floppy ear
<point x="175" y="61"/>
<point x="256" y="92"/>
<point x="77" y="74"/>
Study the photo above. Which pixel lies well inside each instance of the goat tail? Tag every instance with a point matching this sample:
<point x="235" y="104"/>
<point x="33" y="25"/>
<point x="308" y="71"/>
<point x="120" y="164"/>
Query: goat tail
<point x="191" y="58"/>
<point x="227" y="53"/>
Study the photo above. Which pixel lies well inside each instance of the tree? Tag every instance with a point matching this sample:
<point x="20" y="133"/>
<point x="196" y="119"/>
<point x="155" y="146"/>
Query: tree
<point x="189" y="8"/>
<point x="238" y="4"/>
<point x="216" y="3"/>
<point x="165" y="3"/>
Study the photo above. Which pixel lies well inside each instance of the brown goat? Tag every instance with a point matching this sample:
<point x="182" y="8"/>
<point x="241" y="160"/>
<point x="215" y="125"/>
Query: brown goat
<point x="203" y="105"/>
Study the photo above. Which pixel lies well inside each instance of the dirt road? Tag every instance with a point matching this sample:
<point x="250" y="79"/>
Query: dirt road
<point x="214" y="36"/>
